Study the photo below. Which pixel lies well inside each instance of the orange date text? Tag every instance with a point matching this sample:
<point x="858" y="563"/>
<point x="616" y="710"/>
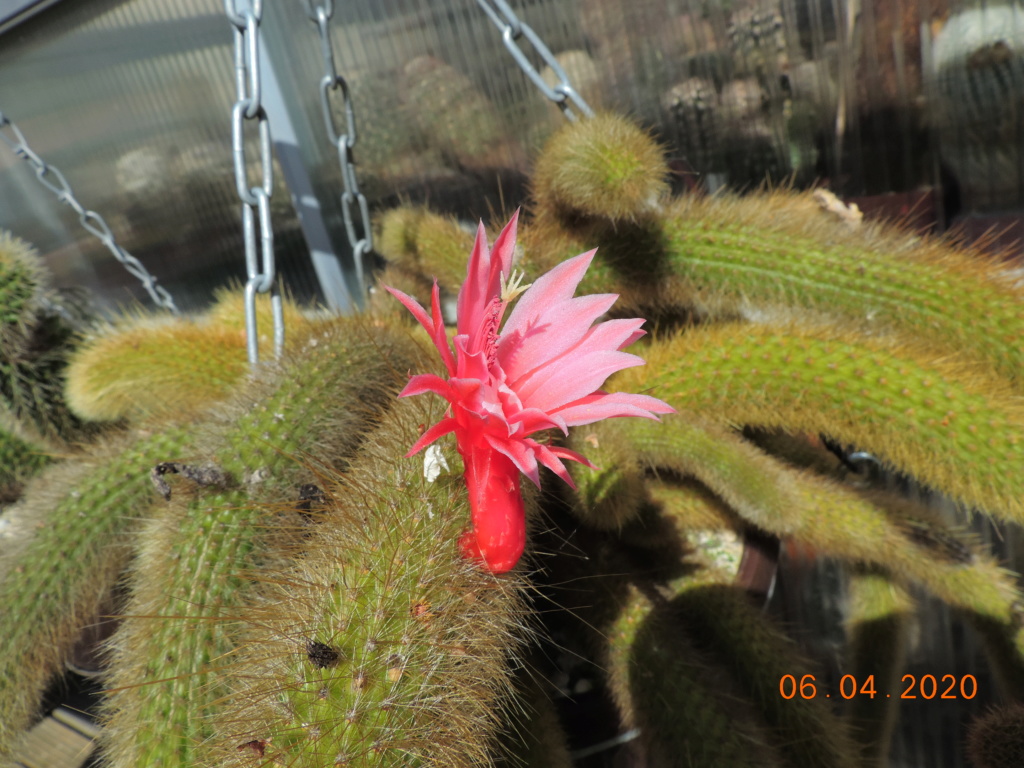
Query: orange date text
<point x="914" y="687"/>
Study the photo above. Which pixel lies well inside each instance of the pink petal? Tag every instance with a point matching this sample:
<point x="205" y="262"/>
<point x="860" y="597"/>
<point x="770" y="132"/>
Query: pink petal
<point x="549" y="333"/>
<point x="440" y="335"/>
<point x="549" y="456"/>
<point x="602" y="405"/>
<point x="609" y="335"/>
<point x="442" y="428"/>
<point x="565" y="453"/>
<point x="637" y="334"/>
<point x="502" y="252"/>
<point x="533" y="420"/>
<point x="413" y="306"/>
<point x="473" y="294"/>
<point x="573" y="377"/>
<point x="472" y="364"/>
<point x="483" y="281"/>
<point x="427" y="382"/>
<point x="555" y="286"/>
<point x="551" y="461"/>
<point x="604" y="337"/>
<point x="434" y="326"/>
<point x="521" y="455"/>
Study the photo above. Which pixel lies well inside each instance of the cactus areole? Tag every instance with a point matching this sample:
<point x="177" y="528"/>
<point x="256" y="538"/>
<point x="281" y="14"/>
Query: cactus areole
<point x="541" y="370"/>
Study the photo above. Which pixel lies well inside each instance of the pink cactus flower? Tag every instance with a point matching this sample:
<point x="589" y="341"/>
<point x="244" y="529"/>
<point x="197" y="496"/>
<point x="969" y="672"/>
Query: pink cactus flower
<point x="542" y="370"/>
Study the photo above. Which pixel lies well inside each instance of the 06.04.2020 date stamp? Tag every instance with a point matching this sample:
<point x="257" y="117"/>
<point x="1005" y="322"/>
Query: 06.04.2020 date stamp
<point x="923" y="687"/>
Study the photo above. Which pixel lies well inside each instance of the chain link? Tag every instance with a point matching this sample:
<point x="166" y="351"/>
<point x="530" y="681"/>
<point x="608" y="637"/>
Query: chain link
<point x="260" y="265"/>
<point x="512" y="28"/>
<point x="51" y="178"/>
<point x="361" y="238"/>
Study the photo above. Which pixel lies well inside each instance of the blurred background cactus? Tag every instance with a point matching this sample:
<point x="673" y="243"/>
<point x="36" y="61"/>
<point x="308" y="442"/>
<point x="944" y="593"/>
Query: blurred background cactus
<point x="814" y="562"/>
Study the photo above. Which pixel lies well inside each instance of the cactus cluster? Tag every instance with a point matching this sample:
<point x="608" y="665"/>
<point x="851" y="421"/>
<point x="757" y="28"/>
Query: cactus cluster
<point x="776" y="325"/>
<point x="289" y="583"/>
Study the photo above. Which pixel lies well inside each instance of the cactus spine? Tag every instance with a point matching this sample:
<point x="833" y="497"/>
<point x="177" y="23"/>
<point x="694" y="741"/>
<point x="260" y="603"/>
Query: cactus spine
<point x="875" y="528"/>
<point x="379" y="645"/>
<point x="532" y="736"/>
<point x="996" y="740"/>
<point x="877" y="630"/>
<point x="76" y="522"/>
<point x="155" y="365"/>
<point x="947" y="424"/>
<point x="683" y="703"/>
<point x="35" y="339"/>
<point x="319" y="401"/>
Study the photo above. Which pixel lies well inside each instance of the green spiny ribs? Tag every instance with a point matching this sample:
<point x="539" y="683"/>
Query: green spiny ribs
<point x="380" y="645"/>
<point x="199" y="550"/>
<point x="950" y="425"/>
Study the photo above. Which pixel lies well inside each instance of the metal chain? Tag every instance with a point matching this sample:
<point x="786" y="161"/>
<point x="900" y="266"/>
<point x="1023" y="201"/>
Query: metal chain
<point x="259" y="257"/>
<point x="51" y="178"/>
<point x="320" y="14"/>
<point x="563" y="94"/>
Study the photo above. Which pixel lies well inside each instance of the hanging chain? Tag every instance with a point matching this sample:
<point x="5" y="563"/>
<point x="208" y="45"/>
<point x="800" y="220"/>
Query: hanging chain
<point x="51" y="178"/>
<point x="563" y="94"/>
<point x="320" y="14"/>
<point x="259" y="257"/>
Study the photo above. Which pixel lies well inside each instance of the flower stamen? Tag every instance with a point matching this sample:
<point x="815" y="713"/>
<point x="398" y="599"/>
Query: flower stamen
<point x="511" y="288"/>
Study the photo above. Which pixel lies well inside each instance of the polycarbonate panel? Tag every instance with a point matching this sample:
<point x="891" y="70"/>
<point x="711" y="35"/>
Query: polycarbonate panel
<point x="131" y="101"/>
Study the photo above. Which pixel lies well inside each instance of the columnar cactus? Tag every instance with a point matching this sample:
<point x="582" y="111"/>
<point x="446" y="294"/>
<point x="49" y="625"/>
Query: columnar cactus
<point x="302" y="598"/>
<point x="380" y="645"/>
<point x="35" y="338"/>
<point x="196" y="551"/>
<point x="775" y="314"/>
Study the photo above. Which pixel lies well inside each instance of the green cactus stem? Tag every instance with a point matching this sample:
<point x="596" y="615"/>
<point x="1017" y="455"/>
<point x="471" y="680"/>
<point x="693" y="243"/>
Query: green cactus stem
<point x="197" y="551"/>
<point x="612" y="495"/>
<point x="947" y="424"/>
<point x="721" y="622"/>
<point x="1004" y="649"/>
<point x="692" y="506"/>
<point x="22" y="454"/>
<point x="741" y="475"/>
<point x="75" y="522"/>
<point x="682" y="703"/>
<point x="900" y="538"/>
<point x="870" y="528"/>
<point x="877" y="631"/>
<point x="22" y="289"/>
<point x="605" y="168"/>
<point x="425" y="244"/>
<point x="35" y="340"/>
<point x="777" y="253"/>
<point x="153" y="365"/>
<point x="379" y="645"/>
